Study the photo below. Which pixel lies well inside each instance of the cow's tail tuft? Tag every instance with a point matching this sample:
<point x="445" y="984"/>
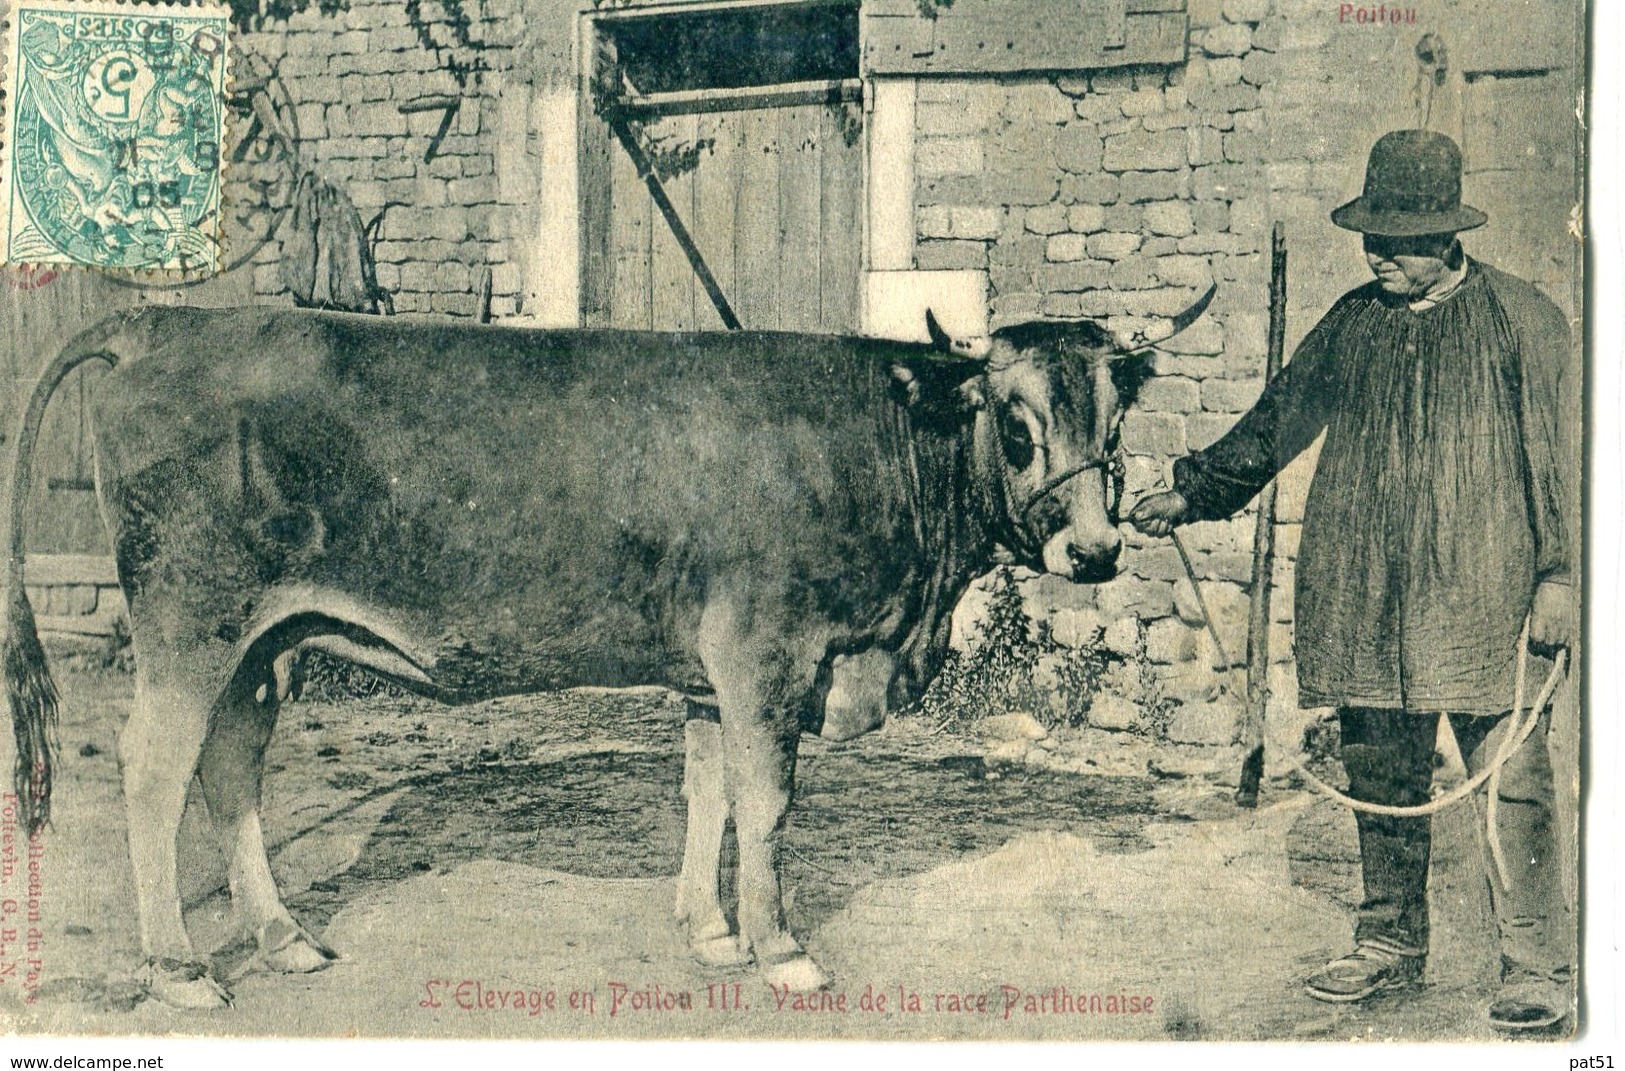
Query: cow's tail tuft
<point x="30" y="692"/>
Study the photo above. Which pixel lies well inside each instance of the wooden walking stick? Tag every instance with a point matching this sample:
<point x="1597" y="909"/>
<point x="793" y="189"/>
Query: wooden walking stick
<point x="1250" y="732"/>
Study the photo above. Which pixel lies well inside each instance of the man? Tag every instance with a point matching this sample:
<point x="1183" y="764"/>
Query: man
<point x="1437" y="521"/>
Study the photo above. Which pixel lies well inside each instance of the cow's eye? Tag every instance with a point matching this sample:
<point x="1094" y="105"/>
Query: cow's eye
<point x="1017" y="441"/>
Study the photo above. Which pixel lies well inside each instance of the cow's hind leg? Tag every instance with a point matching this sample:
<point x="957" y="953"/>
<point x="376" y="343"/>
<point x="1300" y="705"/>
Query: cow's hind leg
<point x="232" y="772"/>
<point x="159" y="749"/>
<point x="699" y="903"/>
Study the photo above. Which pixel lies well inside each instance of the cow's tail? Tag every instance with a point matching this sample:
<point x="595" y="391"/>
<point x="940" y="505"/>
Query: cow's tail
<point x="29" y="688"/>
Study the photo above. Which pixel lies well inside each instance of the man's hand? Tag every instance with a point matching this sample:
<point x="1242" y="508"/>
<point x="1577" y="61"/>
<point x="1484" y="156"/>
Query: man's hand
<point x="1554" y="621"/>
<point x="1159" y="514"/>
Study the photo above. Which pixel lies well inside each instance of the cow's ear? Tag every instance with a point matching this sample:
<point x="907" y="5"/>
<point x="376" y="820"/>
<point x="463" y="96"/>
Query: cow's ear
<point x="938" y="385"/>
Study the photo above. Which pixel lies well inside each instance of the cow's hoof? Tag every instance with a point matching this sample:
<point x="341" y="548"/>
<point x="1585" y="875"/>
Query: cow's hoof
<point x="184" y="985"/>
<point x="798" y="973"/>
<point x="288" y="948"/>
<point x="726" y="951"/>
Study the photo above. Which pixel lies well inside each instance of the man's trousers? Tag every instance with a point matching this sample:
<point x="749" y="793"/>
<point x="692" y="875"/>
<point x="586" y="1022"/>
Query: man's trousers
<point x="1389" y="758"/>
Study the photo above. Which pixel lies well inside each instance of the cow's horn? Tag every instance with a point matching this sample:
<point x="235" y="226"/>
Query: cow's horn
<point x="977" y="347"/>
<point x="1163" y="327"/>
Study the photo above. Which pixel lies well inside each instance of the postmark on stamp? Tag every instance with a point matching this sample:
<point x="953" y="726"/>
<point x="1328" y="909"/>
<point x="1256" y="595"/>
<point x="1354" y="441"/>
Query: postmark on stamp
<point x="114" y="121"/>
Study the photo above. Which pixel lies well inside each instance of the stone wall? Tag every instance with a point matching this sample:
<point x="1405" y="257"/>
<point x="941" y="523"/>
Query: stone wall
<point x="1123" y="193"/>
<point x="454" y="209"/>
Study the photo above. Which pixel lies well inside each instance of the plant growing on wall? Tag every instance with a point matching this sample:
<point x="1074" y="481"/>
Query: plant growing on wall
<point x="249" y="15"/>
<point x="1018" y="666"/>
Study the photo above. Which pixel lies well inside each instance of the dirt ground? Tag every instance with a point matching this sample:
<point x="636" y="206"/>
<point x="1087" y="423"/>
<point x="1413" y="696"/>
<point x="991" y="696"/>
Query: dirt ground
<point x="462" y="861"/>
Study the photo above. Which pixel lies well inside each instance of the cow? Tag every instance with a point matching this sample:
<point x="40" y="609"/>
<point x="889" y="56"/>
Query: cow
<point x="777" y="525"/>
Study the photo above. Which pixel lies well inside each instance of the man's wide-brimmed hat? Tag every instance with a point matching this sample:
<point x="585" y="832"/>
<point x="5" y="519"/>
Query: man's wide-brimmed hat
<point x="1412" y="186"/>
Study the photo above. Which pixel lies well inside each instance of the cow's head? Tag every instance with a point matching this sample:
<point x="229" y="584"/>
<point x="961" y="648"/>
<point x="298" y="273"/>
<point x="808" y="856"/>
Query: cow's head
<point x="1049" y="404"/>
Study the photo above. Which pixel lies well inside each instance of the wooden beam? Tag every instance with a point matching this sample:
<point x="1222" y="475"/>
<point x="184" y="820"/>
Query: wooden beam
<point x="634" y="12"/>
<point x="1015" y="36"/>
<point x="684" y="240"/>
<point x="695" y="101"/>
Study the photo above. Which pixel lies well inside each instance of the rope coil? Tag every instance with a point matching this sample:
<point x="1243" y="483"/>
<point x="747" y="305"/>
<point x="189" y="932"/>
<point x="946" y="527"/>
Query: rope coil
<point x="1518" y="730"/>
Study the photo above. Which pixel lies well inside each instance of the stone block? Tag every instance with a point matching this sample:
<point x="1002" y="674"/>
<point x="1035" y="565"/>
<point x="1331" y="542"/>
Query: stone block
<point x="1086" y="219"/>
<point x="1201" y="245"/>
<point x="1112" y="245"/>
<point x="1134" y="273"/>
<point x="1169" y="394"/>
<point x="1204" y="429"/>
<point x="506" y="279"/>
<point x="1062" y="306"/>
<point x="1016" y="181"/>
<point x="1114" y="712"/>
<point x="1141" y="102"/>
<point x="1079" y="150"/>
<point x="1231" y="395"/>
<point x="1168" y="217"/>
<point x="1210" y="216"/>
<point x="1013" y="307"/>
<point x="1205" y="337"/>
<point x="1170" y="120"/>
<point x="950" y="255"/>
<point x="976" y="222"/>
<point x="1074" y="277"/>
<point x="940" y="119"/>
<point x="933" y="221"/>
<point x="1143" y="598"/>
<point x="1077" y="629"/>
<point x="1023" y="251"/>
<point x="1122" y="636"/>
<point x="1114" y="81"/>
<point x="1102" y="189"/>
<point x="1243" y="147"/>
<point x="418" y="276"/>
<point x="948" y="156"/>
<point x="1140" y="187"/>
<point x="1259" y="68"/>
<point x="1123" y="217"/>
<point x="1186" y="271"/>
<point x="1046" y="219"/>
<point x="460" y="304"/>
<point x="1247" y="332"/>
<point x="472" y="191"/>
<point x="1153" y="433"/>
<point x="1168" y="641"/>
<point x="1063" y="248"/>
<point x="1227" y="39"/>
<point x="1159" y="247"/>
<point x="1163" y="151"/>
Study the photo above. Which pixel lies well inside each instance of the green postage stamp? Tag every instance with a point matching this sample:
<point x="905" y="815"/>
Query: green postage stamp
<point x="113" y="127"/>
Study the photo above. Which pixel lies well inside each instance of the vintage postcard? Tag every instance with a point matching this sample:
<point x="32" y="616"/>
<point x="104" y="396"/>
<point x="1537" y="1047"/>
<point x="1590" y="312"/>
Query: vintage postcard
<point x="1000" y="520"/>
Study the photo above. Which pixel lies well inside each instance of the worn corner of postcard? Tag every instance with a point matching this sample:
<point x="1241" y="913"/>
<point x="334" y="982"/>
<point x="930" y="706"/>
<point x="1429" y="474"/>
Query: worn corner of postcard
<point x="115" y="114"/>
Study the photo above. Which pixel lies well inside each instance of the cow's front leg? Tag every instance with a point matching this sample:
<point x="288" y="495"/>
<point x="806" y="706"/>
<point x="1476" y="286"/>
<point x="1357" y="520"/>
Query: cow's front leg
<point x="699" y="903"/>
<point x="232" y="772"/>
<point x="759" y="772"/>
<point x="159" y="751"/>
<point x="762" y="679"/>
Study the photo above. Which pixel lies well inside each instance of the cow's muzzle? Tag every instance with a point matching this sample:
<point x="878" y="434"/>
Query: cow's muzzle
<point x="1081" y="551"/>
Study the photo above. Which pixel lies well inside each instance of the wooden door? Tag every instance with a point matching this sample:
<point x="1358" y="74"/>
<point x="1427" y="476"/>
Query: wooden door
<point x="39" y="313"/>
<point x="771" y="198"/>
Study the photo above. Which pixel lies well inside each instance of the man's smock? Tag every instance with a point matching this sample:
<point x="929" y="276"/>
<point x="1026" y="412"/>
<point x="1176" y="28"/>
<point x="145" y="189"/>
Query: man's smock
<point x="1439" y="501"/>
